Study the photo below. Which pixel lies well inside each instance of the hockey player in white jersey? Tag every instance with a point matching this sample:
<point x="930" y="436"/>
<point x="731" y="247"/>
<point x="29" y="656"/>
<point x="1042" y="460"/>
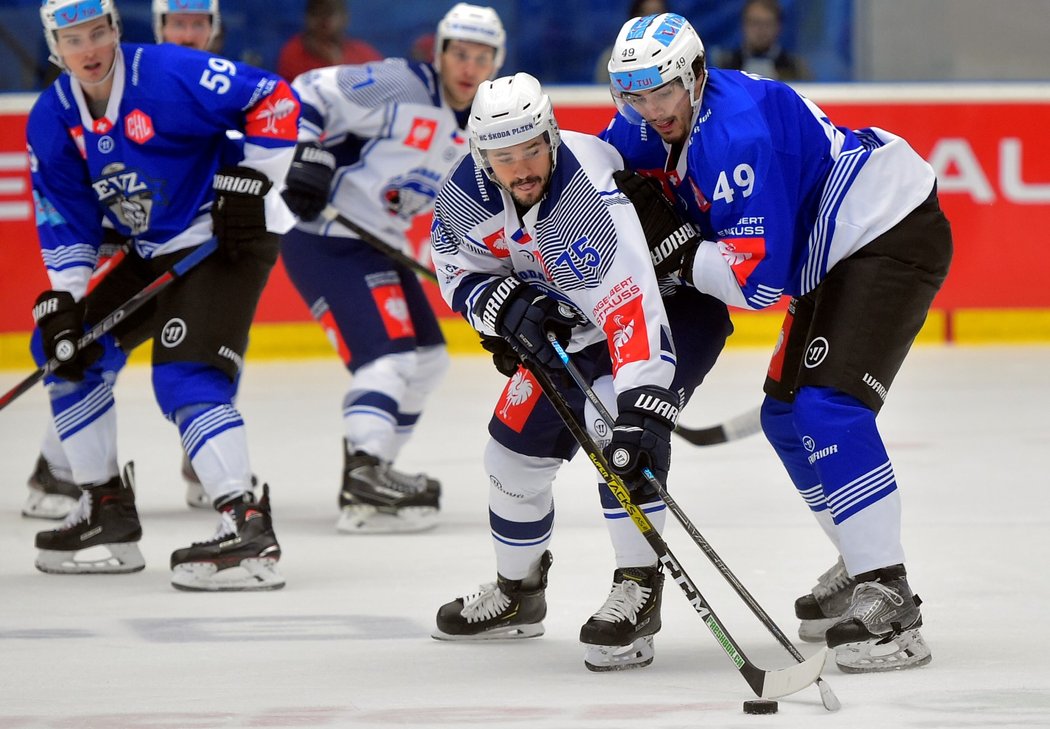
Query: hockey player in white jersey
<point x="375" y="143"/>
<point x="52" y="493"/>
<point x="847" y="223"/>
<point x="532" y="235"/>
<point x="135" y="135"/>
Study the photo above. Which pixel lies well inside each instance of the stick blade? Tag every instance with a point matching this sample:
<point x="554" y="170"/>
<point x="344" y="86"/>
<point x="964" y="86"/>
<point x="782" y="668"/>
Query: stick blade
<point x="786" y="681"/>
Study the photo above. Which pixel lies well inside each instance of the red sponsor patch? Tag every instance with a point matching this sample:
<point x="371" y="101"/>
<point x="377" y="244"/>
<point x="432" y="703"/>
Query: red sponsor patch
<point x="421" y="135"/>
<point x="101" y="126"/>
<point x="776" y="364"/>
<point x="627" y="334"/>
<point x="276" y="116"/>
<point x="331" y="330"/>
<point x="138" y="127"/>
<point x="518" y="400"/>
<point x="497" y="243"/>
<point x="77" y="133"/>
<point x="743" y="254"/>
<point x="390" y="301"/>
<point x="701" y="200"/>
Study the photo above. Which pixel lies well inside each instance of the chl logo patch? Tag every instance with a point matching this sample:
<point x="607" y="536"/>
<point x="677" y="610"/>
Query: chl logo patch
<point x="138" y="127"/>
<point x="173" y="333"/>
<point x="817" y="352"/>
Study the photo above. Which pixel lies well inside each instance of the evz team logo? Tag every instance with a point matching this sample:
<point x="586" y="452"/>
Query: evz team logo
<point x="174" y="333"/>
<point x="128" y="197"/>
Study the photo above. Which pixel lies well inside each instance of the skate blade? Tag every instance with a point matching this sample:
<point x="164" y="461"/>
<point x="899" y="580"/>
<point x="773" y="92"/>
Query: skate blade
<point x="102" y="559"/>
<point x="812" y="631"/>
<point x="365" y="519"/>
<point x="250" y="574"/>
<point x="196" y="497"/>
<point x="510" y="632"/>
<point x="639" y="654"/>
<point x="41" y="505"/>
<point x="907" y="650"/>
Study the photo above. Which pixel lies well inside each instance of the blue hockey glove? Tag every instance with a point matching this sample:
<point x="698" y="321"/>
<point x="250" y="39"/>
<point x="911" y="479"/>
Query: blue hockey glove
<point x="309" y="180"/>
<point x="522" y="314"/>
<point x="641" y="437"/>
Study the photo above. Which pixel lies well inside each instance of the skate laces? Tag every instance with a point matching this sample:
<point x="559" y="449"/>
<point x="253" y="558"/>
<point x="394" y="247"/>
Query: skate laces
<point x="406" y="483"/>
<point x="832" y="581"/>
<point x="485" y="604"/>
<point x="81" y="511"/>
<point x="625" y="600"/>
<point x="227" y="528"/>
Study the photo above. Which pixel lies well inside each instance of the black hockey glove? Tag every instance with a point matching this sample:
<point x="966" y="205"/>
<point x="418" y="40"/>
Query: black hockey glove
<point x="504" y="357"/>
<point x="61" y="324"/>
<point x="641" y="437"/>
<point x="309" y="180"/>
<point x="522" y="314"/>
<point x="238" y="215"/>
<point x="668" y="236"/>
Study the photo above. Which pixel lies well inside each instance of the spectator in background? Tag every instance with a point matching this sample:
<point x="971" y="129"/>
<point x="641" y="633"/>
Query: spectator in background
<point x="422" y="48"/>
<point x="638" y="9"/>
<point x="323" y="41"/>
<point x="760" y="52"/>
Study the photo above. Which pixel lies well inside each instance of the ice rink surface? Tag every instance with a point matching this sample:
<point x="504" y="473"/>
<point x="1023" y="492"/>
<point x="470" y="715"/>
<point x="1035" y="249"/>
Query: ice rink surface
<point x="347" y="641"/>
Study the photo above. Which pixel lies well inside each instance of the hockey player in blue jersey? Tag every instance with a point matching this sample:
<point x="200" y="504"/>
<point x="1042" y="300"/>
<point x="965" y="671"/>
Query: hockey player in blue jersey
<point x="52" y="493"/>
<point x="531" y="234"/>
<point x="847" y="223"/>
<point x="134" y="134"/>
<point x="376" y="142"/>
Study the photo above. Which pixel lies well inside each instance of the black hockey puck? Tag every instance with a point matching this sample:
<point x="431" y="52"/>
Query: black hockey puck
<point x="760" y="706"/>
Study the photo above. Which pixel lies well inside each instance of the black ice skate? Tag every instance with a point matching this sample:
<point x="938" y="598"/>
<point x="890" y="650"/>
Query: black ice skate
<point x="823" y="607"/>
<point x="880" y="629"/>
<point x="378" y="499"/>
<point x="620" y="634"/>
<point x="50" y="497"/>
<point x="99" y="536"/>
<point x="242" y="555"/>
<point x="501" y="609"/>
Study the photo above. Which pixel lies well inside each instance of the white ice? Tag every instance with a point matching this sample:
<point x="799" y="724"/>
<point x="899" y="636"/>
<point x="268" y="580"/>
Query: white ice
<point x="347" y="643"/>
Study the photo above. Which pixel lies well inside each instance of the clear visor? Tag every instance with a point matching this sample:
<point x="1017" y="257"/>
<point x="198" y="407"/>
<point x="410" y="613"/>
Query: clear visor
<point x="637" y="106"/>
<point x="527" y="151"/>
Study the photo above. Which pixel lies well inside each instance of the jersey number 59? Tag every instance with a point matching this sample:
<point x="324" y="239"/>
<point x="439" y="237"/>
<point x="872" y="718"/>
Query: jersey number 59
<point x="215" y="77"/>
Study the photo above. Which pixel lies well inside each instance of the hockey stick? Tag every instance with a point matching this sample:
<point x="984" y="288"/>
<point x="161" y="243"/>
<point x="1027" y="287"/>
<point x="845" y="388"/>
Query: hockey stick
<point x="130" y="306"/>
<point x="736" y="428"/>
<point x="827" y="697"/>
<point x="331" y="213"/>
<point x="766" y="684"/>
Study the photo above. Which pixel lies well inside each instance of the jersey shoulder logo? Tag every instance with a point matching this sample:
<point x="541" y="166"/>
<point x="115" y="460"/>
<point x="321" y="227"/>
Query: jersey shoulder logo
<point x="421" y="135"/>
<point x="138" y="126"/>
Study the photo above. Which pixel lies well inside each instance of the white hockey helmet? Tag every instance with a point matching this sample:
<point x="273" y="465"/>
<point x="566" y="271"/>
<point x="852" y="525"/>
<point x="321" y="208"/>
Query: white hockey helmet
<point x="509" y="111"/>
<point x="168" y="7"/>
<point x="652" y="51"/>
<point x="58" y="14"/>
<point x="475" y="24"/>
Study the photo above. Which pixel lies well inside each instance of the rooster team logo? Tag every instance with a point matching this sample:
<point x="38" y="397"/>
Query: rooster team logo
<point x="421" y="135"/>
<point x="519" y="398"/>
<point x="743" y="255"/>
<point x="276" y="116"/>
<point x="393" y="310"/>
<point x="627" y="334"/>
<point x="497" y="243"/>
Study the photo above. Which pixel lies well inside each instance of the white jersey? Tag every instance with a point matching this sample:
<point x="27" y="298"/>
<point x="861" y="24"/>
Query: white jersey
<point x="582" y="244"/>
<point x="393" y="137"/>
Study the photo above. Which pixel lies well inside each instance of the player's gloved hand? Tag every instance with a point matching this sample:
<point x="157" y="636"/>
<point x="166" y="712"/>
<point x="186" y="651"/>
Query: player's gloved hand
<point x="309" y="180"/>
<point x="238" y="215"/>
<point x="522" y="314"/>
<point x="504" y="357"/>
<point x="641" y="436"/>
<point x="61" y="323"/>
<point x="669" y="237"/>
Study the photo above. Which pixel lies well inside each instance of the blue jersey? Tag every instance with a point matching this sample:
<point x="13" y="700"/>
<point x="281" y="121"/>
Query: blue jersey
<point x="779" y="192"/>
<point x="147" y="164"/>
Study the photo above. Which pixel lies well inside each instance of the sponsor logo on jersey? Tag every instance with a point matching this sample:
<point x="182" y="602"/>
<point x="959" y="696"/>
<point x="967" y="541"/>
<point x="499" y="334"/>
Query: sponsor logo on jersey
<point x="138" y="127"/>
<point x="742" y="255"/>
<point x="497" y="243"/>
<point x="618" y="295"/>
<point x="393" y="310"/>
<point x="518" y="400"/>
<point x="817" y="352"/>
<point x="276" y="115"/>
<point x="627" y="334"/>
<point x="701" y="200"/>
<point x="77" y="133"/>
<point x="421" y="135"/>
<point x="326" y="319"/>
